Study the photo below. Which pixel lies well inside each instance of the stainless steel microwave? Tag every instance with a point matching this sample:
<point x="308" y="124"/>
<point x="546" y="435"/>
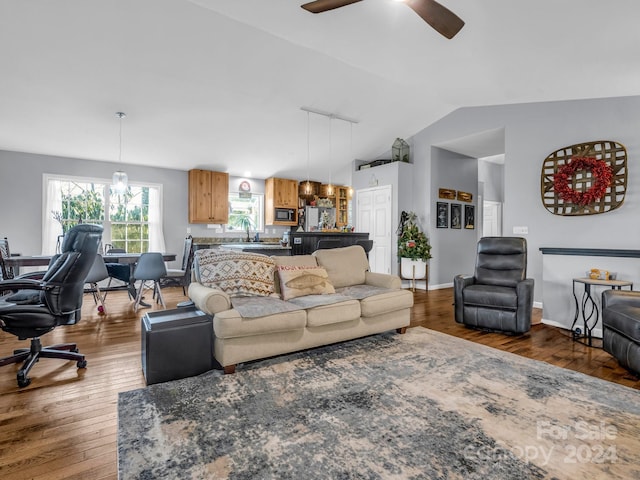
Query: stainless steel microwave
<point x="285" y="215"/>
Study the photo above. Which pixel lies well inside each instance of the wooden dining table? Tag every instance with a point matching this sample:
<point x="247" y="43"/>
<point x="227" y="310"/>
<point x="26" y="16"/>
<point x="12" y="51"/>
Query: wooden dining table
<point x="43" y="260"/>
<point x="18" y="261"/>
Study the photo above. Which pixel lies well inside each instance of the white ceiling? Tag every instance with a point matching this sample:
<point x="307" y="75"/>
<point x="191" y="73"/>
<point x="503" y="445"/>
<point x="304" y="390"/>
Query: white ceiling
<point x="220" y="83"/>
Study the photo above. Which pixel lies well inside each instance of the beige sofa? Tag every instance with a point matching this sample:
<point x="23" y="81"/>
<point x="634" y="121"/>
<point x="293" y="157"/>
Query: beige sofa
<point x="247" y="328"/>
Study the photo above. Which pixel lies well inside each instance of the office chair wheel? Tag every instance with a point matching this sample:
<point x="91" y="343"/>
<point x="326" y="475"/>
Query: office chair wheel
<point x="23" y="380"/>
<point x="101" y="310"/>
<point x="82" y="364"/>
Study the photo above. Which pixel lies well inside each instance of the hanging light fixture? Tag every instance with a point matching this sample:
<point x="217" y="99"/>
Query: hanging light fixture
<point x="120" y="178"/>
<point x="307" y="187"/>
<point x="330" y="186"/>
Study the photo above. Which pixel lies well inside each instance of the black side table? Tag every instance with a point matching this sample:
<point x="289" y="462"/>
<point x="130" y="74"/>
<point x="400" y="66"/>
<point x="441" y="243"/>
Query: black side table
<point x="176" y="344"/>
<point x="589" y="308"/>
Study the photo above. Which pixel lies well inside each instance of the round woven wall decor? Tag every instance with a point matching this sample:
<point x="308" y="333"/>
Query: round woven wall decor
<point x="613" y="154"/>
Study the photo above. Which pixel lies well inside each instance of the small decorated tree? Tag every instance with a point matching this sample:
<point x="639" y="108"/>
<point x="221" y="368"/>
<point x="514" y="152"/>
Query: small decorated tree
<point x="414" y="248"/>
<point x="412" y="242"/>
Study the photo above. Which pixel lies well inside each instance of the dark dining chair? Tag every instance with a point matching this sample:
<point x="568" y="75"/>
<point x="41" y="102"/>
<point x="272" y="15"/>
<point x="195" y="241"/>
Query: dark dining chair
<point x="58" y="303"/>
<point x="327" y="243"/>
<point x="119" y="271"/>
<point x="366" y="244"/>
<point x="6" y="272"/>
<point x="181" y="277"/>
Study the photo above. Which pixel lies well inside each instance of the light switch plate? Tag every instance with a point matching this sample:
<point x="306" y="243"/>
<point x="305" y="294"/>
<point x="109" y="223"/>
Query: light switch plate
<point x="522" y="230"/>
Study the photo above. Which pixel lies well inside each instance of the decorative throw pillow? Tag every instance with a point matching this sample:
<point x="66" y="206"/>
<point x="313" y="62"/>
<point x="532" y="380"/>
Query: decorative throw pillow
<point x="297" y="281"/>
<point x="237" y="274"/>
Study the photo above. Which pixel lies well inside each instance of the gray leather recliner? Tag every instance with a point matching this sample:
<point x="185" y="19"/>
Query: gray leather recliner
<point x="498" y="297"/>
<point x="621" y="327"/>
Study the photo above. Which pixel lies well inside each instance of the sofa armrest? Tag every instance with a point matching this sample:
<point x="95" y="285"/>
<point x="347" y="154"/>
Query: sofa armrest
<point x="209" y="300"/>
<point x="620" y="297"/>
<point x="383" y="280"/>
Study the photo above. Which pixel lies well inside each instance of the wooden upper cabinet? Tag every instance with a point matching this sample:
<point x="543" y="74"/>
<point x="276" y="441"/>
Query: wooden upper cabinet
<point x="280" y="193"/>
<point x="284" y="192"/>
<point x="208" y="197"/>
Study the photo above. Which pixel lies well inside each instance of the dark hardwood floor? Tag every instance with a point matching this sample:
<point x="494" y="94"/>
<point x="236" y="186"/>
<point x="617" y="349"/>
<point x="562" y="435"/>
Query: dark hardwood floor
<point x="64" y="425"/>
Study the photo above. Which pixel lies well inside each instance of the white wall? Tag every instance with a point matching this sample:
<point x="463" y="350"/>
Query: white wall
<point x="533" y="131"/>
<point x="400" y="176"/>
<point x="21" y="188"/>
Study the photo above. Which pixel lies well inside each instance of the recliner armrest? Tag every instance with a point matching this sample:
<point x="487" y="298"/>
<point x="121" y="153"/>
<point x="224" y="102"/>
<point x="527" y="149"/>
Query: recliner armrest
<point x="209" y="300"/>
<point x="383" y="280"/>
<point x="460" y="282"/>
<point x="620" y="297"/>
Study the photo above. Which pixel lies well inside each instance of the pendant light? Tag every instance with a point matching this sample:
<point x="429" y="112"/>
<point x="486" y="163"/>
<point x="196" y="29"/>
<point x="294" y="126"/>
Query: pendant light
<point x="120" y="178"/>
<point x="330" y="186"/>
<point x="307" y="187"/>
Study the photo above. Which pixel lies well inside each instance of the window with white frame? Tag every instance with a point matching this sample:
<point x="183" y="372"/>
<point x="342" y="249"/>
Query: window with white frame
<point x="246" y="211"/>
<point x="132" y="220"/>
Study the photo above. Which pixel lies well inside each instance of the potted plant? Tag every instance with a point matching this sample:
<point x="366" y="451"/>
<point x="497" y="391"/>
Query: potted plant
<point x="245" y="222"/>
<point x="414" y="249"/>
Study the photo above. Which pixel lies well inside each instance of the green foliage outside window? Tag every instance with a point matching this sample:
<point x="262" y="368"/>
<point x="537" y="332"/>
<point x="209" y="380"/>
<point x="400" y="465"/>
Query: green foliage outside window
<point x="128" y="212"/>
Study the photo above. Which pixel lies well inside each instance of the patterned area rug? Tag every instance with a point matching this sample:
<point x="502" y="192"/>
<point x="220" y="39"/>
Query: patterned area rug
<point x="423" y="405"/>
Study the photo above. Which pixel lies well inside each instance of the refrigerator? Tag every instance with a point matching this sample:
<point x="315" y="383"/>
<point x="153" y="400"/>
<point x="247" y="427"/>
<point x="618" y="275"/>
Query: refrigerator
<point x="313" y="216"/>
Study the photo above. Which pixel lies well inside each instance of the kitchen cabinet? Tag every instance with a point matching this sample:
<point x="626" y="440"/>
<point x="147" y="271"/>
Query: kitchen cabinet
<point x="342" y="206"/>
<point x="339" y="197"/>
<point x="208" y="197"/>
<point x="280" y="193"/>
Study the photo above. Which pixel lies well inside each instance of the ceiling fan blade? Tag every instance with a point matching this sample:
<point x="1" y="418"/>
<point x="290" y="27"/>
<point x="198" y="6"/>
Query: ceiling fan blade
<point x="443" y="20"/>
<point x="320" y="6"/>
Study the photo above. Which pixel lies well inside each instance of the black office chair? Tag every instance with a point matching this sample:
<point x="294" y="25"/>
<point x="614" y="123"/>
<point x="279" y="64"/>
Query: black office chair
<point x="326" y="243"/>
<point x="59" y="302"/>
<point x="498" y="297"/>
<point x="181" y="277"/>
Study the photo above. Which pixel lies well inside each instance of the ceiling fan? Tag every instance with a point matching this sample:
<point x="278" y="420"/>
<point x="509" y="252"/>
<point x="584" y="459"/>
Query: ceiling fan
<point x="443" y="20"/>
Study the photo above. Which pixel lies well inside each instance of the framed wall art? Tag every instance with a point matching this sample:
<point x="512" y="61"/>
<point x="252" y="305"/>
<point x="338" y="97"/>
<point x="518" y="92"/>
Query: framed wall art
<point x="456" y="215"/>
<point x="447" y="193"/>
<point x="465" y="196"/>
<point x="469" y="217"/>
<point x="442" y="215"/>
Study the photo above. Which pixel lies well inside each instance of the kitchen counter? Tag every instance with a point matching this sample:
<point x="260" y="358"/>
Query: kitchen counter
<point x="258" y="247"/>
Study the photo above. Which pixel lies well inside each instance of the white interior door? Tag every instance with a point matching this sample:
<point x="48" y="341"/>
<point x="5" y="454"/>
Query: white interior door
<point x="373" y="215"/>
<point x="491" y="219"/>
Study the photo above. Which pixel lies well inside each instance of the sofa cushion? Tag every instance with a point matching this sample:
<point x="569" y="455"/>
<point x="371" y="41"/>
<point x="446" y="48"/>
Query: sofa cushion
<point x="345" y="311"/>
<point x="236" y="273"/>
<point x="346" y="266"/>
<point x="230" y="324"/>
<point x="254" y="307"/>
<point x="389" y="301"/>
<point x="301" y="281"/>
<point x="294" y="261"/>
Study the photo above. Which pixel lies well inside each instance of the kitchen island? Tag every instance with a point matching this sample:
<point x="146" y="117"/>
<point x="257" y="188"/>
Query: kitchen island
<point x="264" y="248"/>
<point x="304" y="243"/>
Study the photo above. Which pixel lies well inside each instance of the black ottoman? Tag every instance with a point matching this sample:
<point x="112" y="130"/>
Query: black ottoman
<point x="176" y="344"/>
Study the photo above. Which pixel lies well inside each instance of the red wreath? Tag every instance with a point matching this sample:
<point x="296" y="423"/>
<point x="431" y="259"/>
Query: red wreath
<point x="601" y="175"/>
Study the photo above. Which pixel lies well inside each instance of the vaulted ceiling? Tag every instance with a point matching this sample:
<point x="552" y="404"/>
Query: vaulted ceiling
<point x="219" y="83"/>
